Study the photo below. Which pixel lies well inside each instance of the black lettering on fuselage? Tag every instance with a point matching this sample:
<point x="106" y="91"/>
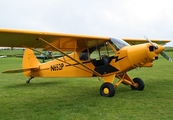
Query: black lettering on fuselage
<point x="57" y="67"/>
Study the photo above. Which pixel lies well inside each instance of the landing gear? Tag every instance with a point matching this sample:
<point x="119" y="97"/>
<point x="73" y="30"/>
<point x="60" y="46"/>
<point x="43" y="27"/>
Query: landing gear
<point x="107" y="90"/>
<point x="139" y="84"/>
<point x="28" y="81"/>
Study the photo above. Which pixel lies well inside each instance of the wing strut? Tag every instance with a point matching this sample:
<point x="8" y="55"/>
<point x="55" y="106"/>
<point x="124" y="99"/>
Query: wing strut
<point x="96" y="73"/>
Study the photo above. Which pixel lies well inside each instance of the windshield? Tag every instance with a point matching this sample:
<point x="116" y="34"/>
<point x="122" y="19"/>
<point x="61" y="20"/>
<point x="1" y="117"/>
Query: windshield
<point x="119" y="43"/>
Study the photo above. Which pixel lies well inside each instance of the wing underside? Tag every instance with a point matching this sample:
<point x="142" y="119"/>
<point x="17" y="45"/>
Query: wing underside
<point x="65" y="42"/>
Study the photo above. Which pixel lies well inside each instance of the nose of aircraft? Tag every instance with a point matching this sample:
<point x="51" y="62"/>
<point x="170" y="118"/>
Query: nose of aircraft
<point x="159" y="49"/>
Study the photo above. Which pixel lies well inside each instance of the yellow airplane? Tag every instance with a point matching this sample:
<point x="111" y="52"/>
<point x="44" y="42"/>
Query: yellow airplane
<point x="91" y="56"/>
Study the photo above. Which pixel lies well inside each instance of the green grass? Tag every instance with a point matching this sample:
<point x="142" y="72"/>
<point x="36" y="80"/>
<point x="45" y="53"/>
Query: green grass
<point x="79" y="98"/>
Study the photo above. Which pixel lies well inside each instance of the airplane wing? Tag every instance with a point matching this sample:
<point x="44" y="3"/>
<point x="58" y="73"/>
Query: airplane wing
<point x="65" y="42"/>
<point x="135" y="41"/>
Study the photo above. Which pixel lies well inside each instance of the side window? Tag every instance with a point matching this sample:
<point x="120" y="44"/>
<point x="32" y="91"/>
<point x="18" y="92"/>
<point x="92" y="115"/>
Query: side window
<point x="110" y="51"/>
<point x="106" y="50"/>
<point x="97" y="52"/>
<point x="84" y="55"/>
<point x="102" y="50"/>
<point x="94" y="54"/>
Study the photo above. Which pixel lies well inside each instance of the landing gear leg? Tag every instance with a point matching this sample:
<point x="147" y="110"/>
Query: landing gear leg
<point x="28" y="81"/>
<point x="136" y="83"/>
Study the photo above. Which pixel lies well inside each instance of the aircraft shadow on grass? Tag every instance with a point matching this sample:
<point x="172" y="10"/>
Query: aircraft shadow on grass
<point x="24" y="85"/>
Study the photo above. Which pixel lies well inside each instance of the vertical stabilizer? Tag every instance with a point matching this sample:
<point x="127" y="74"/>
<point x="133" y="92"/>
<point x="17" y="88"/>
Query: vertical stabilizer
<point x="29" y="61"/>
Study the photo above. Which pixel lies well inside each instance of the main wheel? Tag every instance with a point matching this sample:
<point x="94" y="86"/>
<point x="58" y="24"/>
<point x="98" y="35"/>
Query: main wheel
<point x="107" y="90"/>
<point x="140" y="84"/>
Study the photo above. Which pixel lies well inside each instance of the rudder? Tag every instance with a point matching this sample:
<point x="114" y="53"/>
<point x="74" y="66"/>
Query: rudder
<point x="29" y="61"/>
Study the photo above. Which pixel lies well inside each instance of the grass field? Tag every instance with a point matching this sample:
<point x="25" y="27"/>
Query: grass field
<point x="79" y="98"/>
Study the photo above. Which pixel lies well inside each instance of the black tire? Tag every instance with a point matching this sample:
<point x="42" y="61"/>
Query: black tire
<point x="28" y="81"/>
<point x="107" y="90"/>
<point x="140" y="84"/>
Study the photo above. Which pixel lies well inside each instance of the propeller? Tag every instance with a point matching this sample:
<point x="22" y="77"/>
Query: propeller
<point x="151" y="43"/>
<point x="166" y="56"/>
<point x="162" y="53"/>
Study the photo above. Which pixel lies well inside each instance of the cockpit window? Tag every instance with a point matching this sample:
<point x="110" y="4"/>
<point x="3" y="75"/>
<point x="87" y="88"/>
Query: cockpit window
<point x="104" y="49"/>
<point x="118" y="43"/>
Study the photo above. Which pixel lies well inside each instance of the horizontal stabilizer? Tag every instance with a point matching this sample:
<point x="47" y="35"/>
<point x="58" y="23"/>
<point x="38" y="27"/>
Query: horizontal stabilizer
<point x="20" y="70"/>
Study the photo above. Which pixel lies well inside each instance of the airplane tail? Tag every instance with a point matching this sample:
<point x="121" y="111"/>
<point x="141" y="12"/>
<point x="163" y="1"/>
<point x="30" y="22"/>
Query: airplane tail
<point x="29" y="63"/>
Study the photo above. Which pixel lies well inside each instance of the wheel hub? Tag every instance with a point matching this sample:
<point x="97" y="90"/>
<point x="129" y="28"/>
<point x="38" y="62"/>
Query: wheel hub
<point x="106" y="91"/>
<point x="136" y="85"/>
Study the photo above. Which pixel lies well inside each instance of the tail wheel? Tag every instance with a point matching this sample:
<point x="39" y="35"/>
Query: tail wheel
<point x="107" y="90"/>
<point x="140" y="84"/>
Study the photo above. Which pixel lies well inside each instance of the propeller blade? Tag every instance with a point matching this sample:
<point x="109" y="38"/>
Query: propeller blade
<point x="166" y="56"/>
<point x="151" y="42"/>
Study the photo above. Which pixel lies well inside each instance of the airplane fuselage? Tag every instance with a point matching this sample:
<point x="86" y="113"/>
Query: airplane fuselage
<point x="127" y="58"/>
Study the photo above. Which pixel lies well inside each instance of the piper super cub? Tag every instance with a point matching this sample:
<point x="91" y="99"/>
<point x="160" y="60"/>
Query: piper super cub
<point x="90" y="56"/>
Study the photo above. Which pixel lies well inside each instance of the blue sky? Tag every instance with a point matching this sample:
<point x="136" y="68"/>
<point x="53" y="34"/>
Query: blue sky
<point x="114" y="18"/>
